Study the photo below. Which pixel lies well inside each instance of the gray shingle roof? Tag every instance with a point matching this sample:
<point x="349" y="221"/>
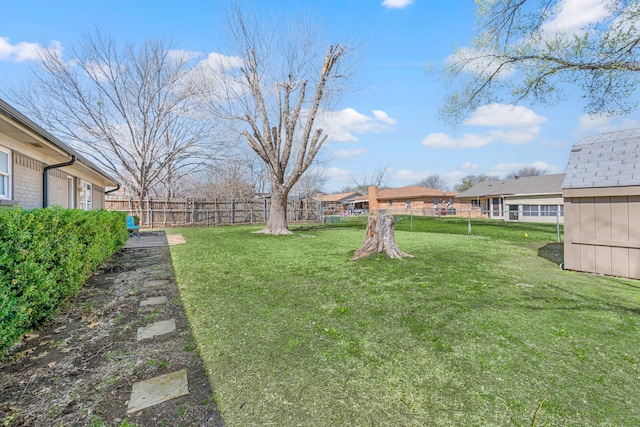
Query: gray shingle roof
<point x="605" y="160"/>
<point x="542" y="184"/>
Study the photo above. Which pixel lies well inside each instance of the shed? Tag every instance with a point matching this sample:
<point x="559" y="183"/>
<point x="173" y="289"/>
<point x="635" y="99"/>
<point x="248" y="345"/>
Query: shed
<point x="601" y="191"/>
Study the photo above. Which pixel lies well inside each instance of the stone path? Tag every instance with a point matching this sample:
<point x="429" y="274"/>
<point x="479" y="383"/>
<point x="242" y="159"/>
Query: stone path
<point x="162" y="388"/>
<point x="121" y="352"/>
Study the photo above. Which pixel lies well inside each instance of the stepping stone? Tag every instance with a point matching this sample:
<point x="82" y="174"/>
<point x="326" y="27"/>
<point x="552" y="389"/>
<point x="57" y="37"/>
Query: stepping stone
<point x="154" y="283"/>
<point x="155" y="329"/>
<point x="157" y="390"/>
<point x="153" y="301"/>
<point x="175" y="239"/>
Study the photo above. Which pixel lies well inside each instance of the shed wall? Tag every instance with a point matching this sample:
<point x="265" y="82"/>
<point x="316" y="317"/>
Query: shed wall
<point x="602" y="233"/>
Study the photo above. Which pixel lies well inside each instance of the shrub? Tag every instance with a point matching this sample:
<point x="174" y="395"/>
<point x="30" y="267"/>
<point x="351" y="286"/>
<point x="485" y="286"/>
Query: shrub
<point x="45" y="256"/>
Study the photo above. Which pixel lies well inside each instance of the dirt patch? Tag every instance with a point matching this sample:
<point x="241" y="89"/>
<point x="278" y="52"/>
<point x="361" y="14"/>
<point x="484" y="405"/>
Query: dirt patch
<point x="79" y="369"/>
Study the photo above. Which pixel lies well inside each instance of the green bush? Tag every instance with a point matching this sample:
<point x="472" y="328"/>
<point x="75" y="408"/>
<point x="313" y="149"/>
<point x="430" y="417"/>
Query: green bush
<point x="45" y="256"/>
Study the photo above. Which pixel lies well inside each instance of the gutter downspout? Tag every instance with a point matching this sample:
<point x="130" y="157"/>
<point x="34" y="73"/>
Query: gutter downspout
<point x="45" y="179"/>
<point x="115" y="189"/>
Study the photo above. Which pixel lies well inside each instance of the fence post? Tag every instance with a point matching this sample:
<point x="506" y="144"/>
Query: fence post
<point x="233" y="211"/>
<point x="265" y="209"/>
<point x="469" y="222"/>
<point x="558" y="225"/>
<point x="149" y="212"/>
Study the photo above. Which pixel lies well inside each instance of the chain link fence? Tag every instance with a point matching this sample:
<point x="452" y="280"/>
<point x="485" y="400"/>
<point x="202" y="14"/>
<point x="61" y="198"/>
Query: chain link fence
<point x="518" y="225"/>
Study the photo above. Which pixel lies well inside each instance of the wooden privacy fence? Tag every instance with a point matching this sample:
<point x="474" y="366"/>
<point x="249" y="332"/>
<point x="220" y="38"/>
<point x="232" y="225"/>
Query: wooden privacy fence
<point x="188" y="212"/>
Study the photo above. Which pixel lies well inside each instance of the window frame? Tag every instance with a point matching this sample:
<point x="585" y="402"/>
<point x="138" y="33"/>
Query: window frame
<point x="5" y="192"/>
<point x="86" y="195"/>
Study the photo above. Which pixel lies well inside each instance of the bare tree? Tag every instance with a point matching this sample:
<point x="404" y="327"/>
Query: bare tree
<point x="434" y="181"/>
<point x="134" y="111"/>
<point x="379" y="178"/>
<point x="530" y="49"/>
<point x="283" y="82"/>
<point x="526" y="171"/>
<point x="310" y="183"/>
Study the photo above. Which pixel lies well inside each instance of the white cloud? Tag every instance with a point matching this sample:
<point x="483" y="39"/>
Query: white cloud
<point x="396" y="4"/>
<point x="442" y="140"/>
<point x="512" y="125"/>
<point x="501" y="115"/>
<point x="338" y="175"/>
<point x="469" y="166"/>
<point x="347" y="154"/>
<point x="343" y="125"/>
<point x="383" y="117"/>
<point x="218" y="62"/>
<point x="409" y="175"/>
<point x="572" y="16"/>
<point x="25" y="51"/>
<point x="601" y="124"/>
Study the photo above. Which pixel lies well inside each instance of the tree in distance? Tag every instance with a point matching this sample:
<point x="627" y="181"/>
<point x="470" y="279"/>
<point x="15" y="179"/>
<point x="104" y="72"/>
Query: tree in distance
<point x="525" y="172"/>
<point x="434" y="181"/>
<point x="470" y="180"/>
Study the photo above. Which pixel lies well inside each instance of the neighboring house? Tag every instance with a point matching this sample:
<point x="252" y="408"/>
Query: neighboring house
<point x="416" y="200"/>
<point x="530" y="199"/>
<point x="332" y="204"/>
<point x="38" y="170"/>
<point x="601" y="192"/>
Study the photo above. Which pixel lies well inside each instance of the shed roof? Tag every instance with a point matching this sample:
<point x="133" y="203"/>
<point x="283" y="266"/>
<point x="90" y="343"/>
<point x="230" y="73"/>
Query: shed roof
<point x="529" y="185"/>
<point x="605" y="160"/>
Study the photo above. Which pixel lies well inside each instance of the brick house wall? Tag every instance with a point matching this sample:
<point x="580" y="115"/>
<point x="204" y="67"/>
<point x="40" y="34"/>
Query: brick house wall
<point x="58" y="188"/>
<point x="27" y="181"/>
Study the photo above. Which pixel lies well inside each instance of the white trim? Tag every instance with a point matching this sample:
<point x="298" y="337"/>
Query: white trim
<point x="5" y="191"/>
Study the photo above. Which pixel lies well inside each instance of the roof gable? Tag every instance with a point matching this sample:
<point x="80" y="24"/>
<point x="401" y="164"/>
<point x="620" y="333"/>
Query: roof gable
<point x="605" y="160"/>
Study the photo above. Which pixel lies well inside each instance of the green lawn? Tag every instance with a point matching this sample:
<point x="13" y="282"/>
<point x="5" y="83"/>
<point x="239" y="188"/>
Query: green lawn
<point x="474" y="331"/>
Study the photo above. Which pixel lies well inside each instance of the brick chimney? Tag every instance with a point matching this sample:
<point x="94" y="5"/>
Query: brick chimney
<point x="373" y="199"/>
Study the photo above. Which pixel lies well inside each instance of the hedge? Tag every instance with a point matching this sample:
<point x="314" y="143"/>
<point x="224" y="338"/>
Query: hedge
<point x="45" y="257"/>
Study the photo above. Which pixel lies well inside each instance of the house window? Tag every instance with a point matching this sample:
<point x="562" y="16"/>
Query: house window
<point x="5" y="173"/>
<point x="530" y="210"/>
<point x="435" y="203"/>
<point x="407" y="204"/>
<point x="549" y="210"/>
<point x="85" y="195"/>
<point x="475" y="203"/>
<point x="390" y="202"/>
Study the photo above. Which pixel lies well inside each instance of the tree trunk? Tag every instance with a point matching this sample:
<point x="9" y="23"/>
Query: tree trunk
<point x="277" y="221"/>
<point x="380" y="238"/>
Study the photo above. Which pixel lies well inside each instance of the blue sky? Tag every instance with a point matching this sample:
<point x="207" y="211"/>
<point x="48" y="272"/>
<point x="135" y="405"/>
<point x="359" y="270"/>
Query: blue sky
<point x="388" y="119"/>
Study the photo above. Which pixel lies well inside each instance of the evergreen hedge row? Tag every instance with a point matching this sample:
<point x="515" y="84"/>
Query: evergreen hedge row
<point x="45" y="257"/>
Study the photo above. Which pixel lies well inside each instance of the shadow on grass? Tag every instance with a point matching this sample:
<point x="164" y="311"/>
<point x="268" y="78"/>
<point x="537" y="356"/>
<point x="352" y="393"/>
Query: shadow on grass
<point x="553" y="252"/>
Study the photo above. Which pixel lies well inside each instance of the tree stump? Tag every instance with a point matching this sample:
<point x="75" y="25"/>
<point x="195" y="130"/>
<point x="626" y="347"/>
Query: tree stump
<point x="380" y="238"/>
